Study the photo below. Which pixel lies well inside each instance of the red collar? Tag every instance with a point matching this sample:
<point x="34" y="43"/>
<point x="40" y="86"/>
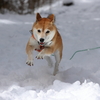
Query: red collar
<point x="41" y="46"/>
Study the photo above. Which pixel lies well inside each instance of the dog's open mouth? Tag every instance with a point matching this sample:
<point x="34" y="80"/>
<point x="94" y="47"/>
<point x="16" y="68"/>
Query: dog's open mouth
<point x="41" y="43"/>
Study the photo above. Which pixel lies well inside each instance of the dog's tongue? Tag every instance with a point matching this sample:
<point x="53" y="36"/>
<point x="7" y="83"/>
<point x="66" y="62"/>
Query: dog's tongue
<point x="41" y="43"/>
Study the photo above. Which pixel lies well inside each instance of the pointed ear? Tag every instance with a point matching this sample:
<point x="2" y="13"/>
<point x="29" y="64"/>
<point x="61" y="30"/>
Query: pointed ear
<point x="38" y="17"/>
<point x="52" y="17"/>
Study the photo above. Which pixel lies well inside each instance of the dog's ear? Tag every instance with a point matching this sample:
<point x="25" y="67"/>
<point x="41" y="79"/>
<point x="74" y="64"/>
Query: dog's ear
<point x="38" y="17"/>
<point x="51" y="17"/>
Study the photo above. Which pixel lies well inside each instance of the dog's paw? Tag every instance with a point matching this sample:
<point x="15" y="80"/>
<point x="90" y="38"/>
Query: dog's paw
<point x="29" y="62"/>
<point x="54" y="73"/>
<point x="40" y="56"/>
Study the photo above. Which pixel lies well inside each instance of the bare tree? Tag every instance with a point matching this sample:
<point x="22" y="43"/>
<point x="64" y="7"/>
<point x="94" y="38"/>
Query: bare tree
<point x="22" y="6"/>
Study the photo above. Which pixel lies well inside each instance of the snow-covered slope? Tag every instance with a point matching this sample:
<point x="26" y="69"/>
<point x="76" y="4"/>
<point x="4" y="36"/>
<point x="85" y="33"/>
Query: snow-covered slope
<point x="78" y="78"/>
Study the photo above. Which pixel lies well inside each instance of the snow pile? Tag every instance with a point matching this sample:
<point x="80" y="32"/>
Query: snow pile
<point x="58" y="91"/>
<point x="79" y="26"/>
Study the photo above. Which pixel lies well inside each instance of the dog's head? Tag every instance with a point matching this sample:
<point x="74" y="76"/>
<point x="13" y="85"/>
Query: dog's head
<point x="44" y="29"/>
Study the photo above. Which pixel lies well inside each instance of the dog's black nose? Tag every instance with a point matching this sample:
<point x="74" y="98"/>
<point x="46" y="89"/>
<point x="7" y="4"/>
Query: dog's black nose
<point x="41" y="40"/>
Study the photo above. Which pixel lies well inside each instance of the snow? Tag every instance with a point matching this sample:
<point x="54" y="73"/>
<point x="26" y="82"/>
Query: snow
<point x="77" y="79"/>
<point x="66" y="91"/>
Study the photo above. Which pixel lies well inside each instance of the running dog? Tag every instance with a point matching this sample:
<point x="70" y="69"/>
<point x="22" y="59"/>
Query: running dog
<point x="46" y="40"/>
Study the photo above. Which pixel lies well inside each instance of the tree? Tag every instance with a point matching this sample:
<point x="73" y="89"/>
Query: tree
<point x="22" y="6"/>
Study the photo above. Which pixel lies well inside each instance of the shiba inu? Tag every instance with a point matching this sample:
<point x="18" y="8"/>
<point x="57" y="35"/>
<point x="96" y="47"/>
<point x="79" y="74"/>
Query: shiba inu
<point x="46" y="40"/>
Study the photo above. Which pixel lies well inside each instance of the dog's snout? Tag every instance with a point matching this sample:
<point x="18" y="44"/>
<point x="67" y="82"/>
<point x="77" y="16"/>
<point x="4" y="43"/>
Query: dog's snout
<point x="41" y="40"/>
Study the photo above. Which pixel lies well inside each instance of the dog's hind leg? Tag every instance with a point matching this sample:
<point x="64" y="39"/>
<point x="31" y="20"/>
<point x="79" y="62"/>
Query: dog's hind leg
<point x="49" y="60"/>
<point x="57" y="58"/>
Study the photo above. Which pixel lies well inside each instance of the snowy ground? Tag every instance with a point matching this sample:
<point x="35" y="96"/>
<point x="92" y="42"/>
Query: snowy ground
<point x="78" y="79"/>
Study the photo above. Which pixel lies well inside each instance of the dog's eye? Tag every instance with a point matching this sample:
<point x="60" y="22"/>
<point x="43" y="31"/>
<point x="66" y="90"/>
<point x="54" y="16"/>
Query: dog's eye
<point x="47" y="31"/>
<point x="39" y="31"/>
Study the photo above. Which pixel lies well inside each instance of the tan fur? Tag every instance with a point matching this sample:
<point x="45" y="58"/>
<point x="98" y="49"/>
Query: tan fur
<point x="45" y="24"/>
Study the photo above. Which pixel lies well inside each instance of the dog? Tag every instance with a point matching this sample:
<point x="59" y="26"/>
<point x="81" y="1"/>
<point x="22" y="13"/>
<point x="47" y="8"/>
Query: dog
<point x="46" y="40"/>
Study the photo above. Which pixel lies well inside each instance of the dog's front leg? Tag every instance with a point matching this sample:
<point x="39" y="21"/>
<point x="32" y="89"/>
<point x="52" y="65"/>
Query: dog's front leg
<point x="29" y="51"/>
<point x="45" y="52"/>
